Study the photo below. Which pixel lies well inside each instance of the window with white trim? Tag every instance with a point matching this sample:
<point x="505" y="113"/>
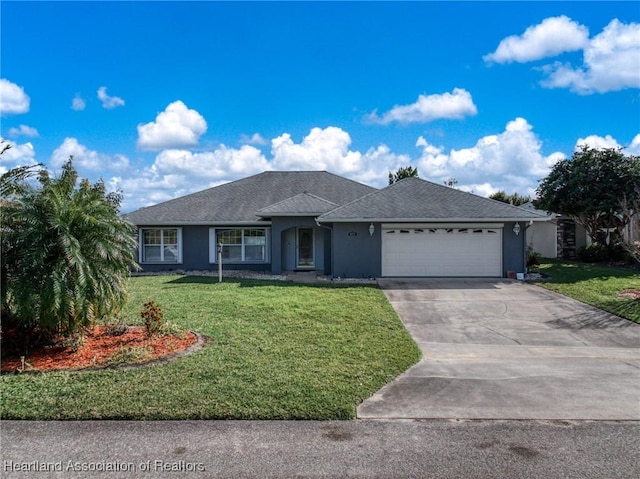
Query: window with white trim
<point x="161" y="245"/>
<point x="246" y="245"/>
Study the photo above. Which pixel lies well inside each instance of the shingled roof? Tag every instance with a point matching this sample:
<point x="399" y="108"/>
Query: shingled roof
<point x="304" y="204"/>
<point x="414" y="199"/>
<point x="239" y="201"/>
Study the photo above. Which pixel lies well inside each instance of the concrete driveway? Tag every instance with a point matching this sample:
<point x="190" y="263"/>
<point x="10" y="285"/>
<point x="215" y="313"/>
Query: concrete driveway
<point x="499" y="349"/>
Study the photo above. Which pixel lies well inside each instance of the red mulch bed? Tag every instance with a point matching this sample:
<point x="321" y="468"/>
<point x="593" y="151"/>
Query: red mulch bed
<point x="633" y="294"/>
<point x="98" y="348"/>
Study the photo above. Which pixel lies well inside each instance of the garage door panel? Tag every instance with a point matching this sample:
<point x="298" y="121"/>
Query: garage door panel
<point x="442" y="252"/>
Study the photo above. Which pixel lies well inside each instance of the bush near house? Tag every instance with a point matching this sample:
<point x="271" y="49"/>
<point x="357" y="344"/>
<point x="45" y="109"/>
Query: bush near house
<point x="602" y="253"/>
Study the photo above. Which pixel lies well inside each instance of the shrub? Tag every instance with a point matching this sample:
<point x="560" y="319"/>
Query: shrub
<point x="153" y="318"/>
<point x="533" y="258"/>
<point x="117" y="327"/>
<point x="600" y="253"/>
<point x="66" y="252"/>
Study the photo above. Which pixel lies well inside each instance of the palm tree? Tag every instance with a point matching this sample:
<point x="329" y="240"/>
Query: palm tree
<point x="66" y="253"/>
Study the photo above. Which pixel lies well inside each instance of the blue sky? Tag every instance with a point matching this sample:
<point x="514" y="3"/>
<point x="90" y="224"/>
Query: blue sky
<point x="161" y="99"/>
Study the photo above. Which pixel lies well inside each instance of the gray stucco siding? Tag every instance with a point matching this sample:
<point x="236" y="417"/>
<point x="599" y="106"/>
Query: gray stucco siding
<point x="284" y="243"/>
<point x="356" y="254"/>
<point x="195" y="252"/>
<point x="513" y="249"/>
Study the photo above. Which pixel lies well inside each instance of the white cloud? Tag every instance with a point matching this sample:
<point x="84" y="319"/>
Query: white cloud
<point x="179" y="172"/>
<point x="176" y="172"/>
<point x="604" y="142"/>
<point x="328" y="150"/>
<point x="321" y="149"/>
<point x="223" y="163"/>
<point x="511" y="160"/>
<point x="109" y="102"/>
<point x="255" y="139"/>
<point x="176" y="127"/>
<point x="597" y="142"/>
<point x="377" y="163"/>
<point x="13" y="99"/>
<point x="454" y="105"/>
<point x="86" y="159"/>
<point x="611" y="59"/>
<point x="146" y="189"/>
<point x="78" y="103"/>
<point x="23" y="130"/>
<point x="634" y="146"/>
<point x="553" y="36"/>
<point x="18" y="155"/>
<point x="611" y="63"/>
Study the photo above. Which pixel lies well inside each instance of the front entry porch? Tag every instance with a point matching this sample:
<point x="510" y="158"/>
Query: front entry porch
<point x="299" y="245"/>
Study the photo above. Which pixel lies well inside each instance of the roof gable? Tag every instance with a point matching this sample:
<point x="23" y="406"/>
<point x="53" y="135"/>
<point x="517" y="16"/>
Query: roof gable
<point x="240" y="200"/>
<point x="417" y="199"/>
<point x="303" y="204"/>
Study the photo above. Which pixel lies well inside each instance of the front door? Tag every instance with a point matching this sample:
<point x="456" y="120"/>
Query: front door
<point x="305" y="248"/>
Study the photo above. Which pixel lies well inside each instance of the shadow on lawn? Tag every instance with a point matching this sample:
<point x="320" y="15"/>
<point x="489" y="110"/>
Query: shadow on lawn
<point x="595" y="318"/>
<point x="567" y="272"/>
<point x="256" y="283"/>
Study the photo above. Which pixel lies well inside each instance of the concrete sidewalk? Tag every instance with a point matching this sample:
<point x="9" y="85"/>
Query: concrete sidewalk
<point x="509" y="350"/>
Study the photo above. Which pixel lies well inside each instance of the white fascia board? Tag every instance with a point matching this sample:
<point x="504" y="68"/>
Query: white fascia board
<point x="441" y="225"/>
<point x="203" y="223"/>
<point x="428" y="220"/>
<point x="278" y="215"/>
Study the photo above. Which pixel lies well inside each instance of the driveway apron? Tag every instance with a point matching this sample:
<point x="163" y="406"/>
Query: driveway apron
<point x="501" y="349"/>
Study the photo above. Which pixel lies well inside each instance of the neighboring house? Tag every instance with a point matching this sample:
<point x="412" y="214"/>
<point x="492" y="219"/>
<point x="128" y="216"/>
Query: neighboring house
<point x="561" y="237"/>
<point x="317" y="221"/>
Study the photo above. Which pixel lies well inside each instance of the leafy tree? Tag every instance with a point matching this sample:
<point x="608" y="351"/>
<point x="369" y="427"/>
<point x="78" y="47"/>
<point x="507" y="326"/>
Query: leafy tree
<point x="451" y="183"/>
<point x="631" y="208"/>
<point x="13" y="181"/>
<point x="403" y="172"/>
<point x="590" y="187"/>
<point x="66" y="252"/>
<point x="513" y="199"/>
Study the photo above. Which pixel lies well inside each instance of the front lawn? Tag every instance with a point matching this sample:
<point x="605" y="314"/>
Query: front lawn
<point x="597" y="285"/>
<point x="276" y="351"/>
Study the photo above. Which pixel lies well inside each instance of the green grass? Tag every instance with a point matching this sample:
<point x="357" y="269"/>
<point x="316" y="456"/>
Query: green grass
<point x="594" y="284"/>
<point x="276" y="351"/>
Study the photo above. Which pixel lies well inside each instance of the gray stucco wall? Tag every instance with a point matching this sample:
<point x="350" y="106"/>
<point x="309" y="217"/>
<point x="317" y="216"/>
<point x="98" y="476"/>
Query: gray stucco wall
<point x="283" y="244"/>
<point x="542" y="236"/>
<point x="356" y="254"/>
<point x="195" y="254"/>
<point x="513" y="249"/>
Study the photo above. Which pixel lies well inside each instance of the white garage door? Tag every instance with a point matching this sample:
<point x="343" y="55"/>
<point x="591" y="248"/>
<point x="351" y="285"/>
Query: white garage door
<point x="429" y="251"/>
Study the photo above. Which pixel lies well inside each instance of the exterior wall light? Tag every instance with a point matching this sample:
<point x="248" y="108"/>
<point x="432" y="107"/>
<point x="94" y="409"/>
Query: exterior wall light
<point x="516" y="228"/>
<point x="372" y="229"/>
